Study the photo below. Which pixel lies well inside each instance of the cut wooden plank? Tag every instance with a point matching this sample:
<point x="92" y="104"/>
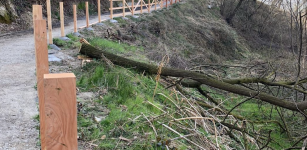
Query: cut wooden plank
<point x="111" y="9"/>
<point x="148" y="6"/>
<point x="155" y="4"/>
<point x="62" y="19"/>
<point x="124" y="8"/>
<point x="37" y="12"/>
<point x="141" y="6"/>
<point x="42" y="67"/>
<point x="60" y="111"/>
<point x="49" y="22"/>
<point x="132" y="7"/>
<point x="99" y="11"/>
<point x="87" y="15"/>
<point x="75" y="18"/>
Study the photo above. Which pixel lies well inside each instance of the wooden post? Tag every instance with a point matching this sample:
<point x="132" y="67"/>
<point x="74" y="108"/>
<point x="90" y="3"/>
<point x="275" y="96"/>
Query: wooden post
<point x="148" y="6"/>
<point x="132" y="7"/>
<point x="42" y="67"/>
<point x="155" y="4"/>
<point x="171" y="2"/>
<point x="162" y="4"/>
<point x="37" y="13"/>
<point x="60" y="111"/>
<point x="62" y="19"/>
<point x="141" y="6"/>
<point x="49" y="22"/>
<point x="124" y="8"/>
<point x="99" y="11"/>
<point x="111" y="9"/>
<point x="166" y="3"/>
<point x="87" y="15"/>
<point x="75" y="18"/>
<point x="41" y="56"/>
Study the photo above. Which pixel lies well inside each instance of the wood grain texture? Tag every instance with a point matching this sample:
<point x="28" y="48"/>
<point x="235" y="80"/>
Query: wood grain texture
<point x="49" y="22"/>
<point x="75" y="18"/>
<point x="37" y="12"/>
<point x="141" y="6"/>
<point x="87" y="15"/>
<point x="149" y="6"/>
<point x="62" y="19"/>
<point x="60" y="111"/>
<point x="155" y="4"/>
<point x="132" y="7"/>
<point x="99" y="11"/>
<point x="42" y="67"/>
<point x="111" y="9"/>
<point x="124" y="8"/>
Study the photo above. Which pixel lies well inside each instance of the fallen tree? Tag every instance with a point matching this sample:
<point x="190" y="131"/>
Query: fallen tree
<point x="227" y="85"/>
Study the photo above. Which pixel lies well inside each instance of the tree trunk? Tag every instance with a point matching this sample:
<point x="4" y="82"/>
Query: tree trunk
<point x="93" y="52"/>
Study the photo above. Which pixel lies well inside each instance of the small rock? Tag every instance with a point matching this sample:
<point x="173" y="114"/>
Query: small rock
<point x="64" y="38"/>
<point x="113" y="21"/>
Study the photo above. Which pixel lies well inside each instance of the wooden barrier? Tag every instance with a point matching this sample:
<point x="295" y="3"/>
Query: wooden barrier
<point x="111" y="9"/>
<point x="75" y="18"/>
<point x="37" y="13"/>
<point x="141" y="6"/>
<point x="41" y="57"/>
<point x="56" y="94"/>
<point x="49" y="22"/>
<point x="87" y="15"/>
<point x="124" y="8"/>
<point x="99" y="11"/>
<point x="134" y="6"/>
<point x="62" y="19"/>
<point x="60" y="111"/>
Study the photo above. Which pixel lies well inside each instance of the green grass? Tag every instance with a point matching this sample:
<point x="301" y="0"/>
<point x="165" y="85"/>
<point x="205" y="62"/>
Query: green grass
<point x="112" y="46"/>
<point x="126" y="100"/>
<point x="71" y="44"/>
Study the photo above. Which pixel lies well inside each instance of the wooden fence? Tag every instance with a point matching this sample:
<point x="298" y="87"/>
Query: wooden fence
<point x="129" y="7"/>
<point x="136" y="7"/>
<point x="56" y="94"/>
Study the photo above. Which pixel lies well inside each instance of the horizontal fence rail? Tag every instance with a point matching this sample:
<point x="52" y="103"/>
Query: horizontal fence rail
<point x="132" y="6"/>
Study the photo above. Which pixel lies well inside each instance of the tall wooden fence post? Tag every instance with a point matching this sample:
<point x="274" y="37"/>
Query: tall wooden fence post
<point x="75" y="18"/>
<point x="155" y="4"/>
<point x="49" y="22"/>
<point x="62" y="19"/>
<point x="111" y="9"/>
<point x="132" y="7"/>
<point x="37" y="13"/>
<point x="87" y="15"/>
<point x="141" y="6"/>
<point x="162" y="3"/>
<point x="148" y="6"/>
<point x="124" y="8"/>
<point x="60" y="111"/>
<point x="166" y="3"/>
<point x="42" y="67"/>
<point x="99" y="11"/>
<point x="41" y="57"/>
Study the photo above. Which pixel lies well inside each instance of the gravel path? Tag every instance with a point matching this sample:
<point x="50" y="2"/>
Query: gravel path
<point x="18" y="97"/>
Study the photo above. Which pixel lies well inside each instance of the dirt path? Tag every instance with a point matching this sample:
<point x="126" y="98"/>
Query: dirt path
<point x="18" y="97"/>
